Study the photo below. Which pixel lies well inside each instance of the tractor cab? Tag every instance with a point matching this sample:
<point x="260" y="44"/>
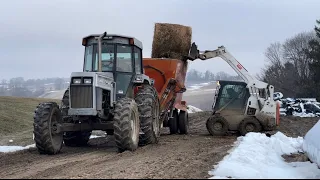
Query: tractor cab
<point x="121" y="59"/>
<point x="230" y="96"/>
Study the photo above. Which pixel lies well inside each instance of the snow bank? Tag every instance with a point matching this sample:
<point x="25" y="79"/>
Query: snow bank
<point x="311" y="143"/>
<point x="258" y="156"/>
<point x="192" y="109"/>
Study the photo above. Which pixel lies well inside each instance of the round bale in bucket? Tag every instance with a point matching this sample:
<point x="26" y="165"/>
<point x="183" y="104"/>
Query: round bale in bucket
<point x="171" y="41"/>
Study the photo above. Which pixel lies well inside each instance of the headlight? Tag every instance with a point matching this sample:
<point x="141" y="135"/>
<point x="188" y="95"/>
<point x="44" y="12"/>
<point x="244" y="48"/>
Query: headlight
<point x="76" y="81"/>
<point x="87" y="81"/>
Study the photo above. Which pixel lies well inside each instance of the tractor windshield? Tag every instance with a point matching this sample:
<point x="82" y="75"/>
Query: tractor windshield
<point x="122" y="53"/>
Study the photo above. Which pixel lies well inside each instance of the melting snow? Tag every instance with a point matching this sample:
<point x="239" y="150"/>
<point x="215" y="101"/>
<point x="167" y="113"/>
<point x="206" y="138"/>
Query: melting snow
<point x="6" y="149"/>
<point x="258" y="156"/>
<point x="192" y="109"/>
<point x="197" y="86"/>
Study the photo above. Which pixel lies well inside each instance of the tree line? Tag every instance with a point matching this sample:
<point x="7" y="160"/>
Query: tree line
<point x="20" y="87"/>
<point x="197" y="76"/>
<point x="293" y="66"/>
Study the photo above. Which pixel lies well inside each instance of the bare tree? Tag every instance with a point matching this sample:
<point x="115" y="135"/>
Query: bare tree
<point x="274" y="54"/>
<point x="294" y="52"/>
<point x="288" y="65"/>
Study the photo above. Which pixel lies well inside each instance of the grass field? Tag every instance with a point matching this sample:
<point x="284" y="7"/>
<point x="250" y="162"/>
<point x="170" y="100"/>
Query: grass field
<point x="16" y="119"/>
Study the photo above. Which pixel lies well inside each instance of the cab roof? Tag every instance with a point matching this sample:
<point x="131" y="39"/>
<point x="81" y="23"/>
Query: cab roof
<point x="136" y="41"/>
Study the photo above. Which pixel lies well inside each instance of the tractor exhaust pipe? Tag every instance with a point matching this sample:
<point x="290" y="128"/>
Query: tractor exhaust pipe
<point x="100" y="50"/>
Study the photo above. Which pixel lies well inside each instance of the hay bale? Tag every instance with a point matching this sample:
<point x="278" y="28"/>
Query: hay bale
<point x="171" y="41"/>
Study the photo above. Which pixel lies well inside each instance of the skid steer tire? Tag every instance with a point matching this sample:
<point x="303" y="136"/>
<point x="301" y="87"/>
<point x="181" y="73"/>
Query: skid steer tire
<point x="249" y="124"/>
<point x="126" y="125"/>
<point x="76" y="139"/>
<point x="149" y="108"/>
<point x="183" y="122"/>
<point x="173" y="122"/>
<point x="46" y="118"/>
<point x="217" y="126"/>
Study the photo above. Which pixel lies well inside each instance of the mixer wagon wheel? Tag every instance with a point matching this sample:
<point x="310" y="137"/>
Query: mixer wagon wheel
<point x="47" y="138"/>
<point x="149" y="111"/>
<point x="183" y="122"/>
<point x="173" y="122"/>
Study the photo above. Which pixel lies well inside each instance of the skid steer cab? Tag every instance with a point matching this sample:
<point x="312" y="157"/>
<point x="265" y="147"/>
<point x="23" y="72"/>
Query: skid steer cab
<point x="111" y="94"/>
<point x="234" y="109"/>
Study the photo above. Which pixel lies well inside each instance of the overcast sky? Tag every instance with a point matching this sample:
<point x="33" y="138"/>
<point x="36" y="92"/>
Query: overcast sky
<point x="42" y="38"/>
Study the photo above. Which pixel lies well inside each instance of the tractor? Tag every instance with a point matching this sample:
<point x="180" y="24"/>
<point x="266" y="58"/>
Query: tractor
<point x="111" y="94"/>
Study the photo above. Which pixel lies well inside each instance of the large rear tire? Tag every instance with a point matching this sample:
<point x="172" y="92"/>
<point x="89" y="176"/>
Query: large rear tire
<point x="77" y="138"/>
<point x="149" y="108"/>
<point x="183" y="122"/>
<point x="46" y="121"/>
<point x="249" y="124"/>
<point x="126" y="125"/>
<point x="217" y="126"/>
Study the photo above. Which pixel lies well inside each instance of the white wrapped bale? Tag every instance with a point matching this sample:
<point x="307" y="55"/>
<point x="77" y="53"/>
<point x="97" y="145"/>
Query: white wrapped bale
<point x="311" y="144"/>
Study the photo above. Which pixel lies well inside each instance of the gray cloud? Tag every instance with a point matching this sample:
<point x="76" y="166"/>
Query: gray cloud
<point x="43" y="38"/>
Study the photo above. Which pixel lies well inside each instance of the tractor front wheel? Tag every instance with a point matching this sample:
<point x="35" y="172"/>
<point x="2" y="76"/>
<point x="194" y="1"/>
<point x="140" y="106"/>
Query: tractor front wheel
<point x="149" y="108"/>
<point x="47" y="137"/>
<point x="126" y="124"/>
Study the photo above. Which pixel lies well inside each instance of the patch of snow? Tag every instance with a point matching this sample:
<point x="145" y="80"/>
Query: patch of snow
<point x="258" y="156"/>
<point x="94" y="136"/>
<point x="197" y="86"/>
<point x="311" y="143"/>
<point x="303" y="114"/>
<point x="10" y="141"/>
<point x="6" y="149"/>
<point x="192" y="109"/>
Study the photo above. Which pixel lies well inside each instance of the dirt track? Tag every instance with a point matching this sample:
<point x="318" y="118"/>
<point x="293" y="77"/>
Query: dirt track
<point x="176" y="156"/>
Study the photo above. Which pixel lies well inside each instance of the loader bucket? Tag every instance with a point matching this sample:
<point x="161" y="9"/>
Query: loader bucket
<point x="164" y="71"/>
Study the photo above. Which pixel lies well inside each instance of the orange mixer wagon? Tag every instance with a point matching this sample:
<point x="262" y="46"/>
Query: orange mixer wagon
<point x="169" y="76"/>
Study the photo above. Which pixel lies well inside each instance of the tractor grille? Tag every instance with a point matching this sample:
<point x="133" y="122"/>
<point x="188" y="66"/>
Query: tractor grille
<point x="81" y="96"/>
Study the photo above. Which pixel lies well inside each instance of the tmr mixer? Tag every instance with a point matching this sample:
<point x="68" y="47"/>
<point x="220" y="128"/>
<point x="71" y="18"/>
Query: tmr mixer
<point x="168" y="67"/>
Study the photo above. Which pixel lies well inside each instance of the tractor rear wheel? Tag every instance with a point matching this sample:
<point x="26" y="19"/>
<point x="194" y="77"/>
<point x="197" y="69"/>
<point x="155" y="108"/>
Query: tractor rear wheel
<point x="183" y="122"/>
<point x="47" y="118"/>
<point x="149" y="108"/>
<point x="126" y="124"/>
<point x="77" y="138"/>
<point x="249" y="124"/>
<point x="173" y="122"/>
<point x="217" y="125"/>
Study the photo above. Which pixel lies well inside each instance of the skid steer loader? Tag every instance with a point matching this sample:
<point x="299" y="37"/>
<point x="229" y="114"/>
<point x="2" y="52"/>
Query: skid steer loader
<point x="111" y="94"/>
<point x="239" y="106"/>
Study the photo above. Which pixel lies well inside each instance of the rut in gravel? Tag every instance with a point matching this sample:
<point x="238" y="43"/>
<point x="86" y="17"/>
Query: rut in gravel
<point x="175" y="156"/>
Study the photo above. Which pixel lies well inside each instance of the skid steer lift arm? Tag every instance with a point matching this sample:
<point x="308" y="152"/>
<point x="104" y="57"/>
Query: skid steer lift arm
<point x="252" y="83"/>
